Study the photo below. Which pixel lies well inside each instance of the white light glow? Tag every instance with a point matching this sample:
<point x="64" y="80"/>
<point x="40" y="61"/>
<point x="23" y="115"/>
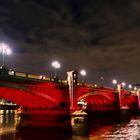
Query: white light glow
<point x="11" y="72"/>
<point x="8" y="51"/>
<point x="4" y="50"/>
<point x="129" y="86"/>
<point x="135" y="88"/>
<point x="114" y="81"/>
<point x="83" y="72"/>
<point x="56" y="64"/>
<point x="123" y="84"/>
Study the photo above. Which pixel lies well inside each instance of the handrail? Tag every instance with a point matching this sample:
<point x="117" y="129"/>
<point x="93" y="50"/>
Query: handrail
<point x="8" y="72"/>
<point x="35" y="77"/>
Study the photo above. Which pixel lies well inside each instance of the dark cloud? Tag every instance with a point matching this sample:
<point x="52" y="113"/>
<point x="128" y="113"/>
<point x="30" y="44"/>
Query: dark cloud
<point x="100" y="36"/>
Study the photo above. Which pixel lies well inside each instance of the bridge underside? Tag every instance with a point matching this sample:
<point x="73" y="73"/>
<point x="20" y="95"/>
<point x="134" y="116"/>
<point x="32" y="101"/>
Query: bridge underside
<point x="35" y="95"/>
<point x="106" y="99"/>
<point x="49" y="95"/>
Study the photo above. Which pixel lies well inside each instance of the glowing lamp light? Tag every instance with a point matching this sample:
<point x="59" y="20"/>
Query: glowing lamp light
<point x="56" y="65"/>
<point x="135" y="88"/>
<point x="83" y="72"/>
<point x="114" y="81"/>
<point x="95" y="85"/>
<point x="11" y="72"/>
<point x="123" y="84"/>
<point x="8" y="51"/>
<point x="130" y="86"/>
<point x="41" y="77"/>
<point x="4" y="50"/>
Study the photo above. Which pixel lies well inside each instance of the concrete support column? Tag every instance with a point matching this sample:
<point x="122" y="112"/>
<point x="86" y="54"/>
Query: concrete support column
<point x="119" y="88"/>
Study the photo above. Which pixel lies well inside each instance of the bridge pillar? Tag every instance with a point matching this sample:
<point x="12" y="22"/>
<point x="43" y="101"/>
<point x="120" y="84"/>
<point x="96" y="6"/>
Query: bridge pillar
<point x="117" y="100"/>
<point x="119" y="89"/>
<point x="72" y="77"/>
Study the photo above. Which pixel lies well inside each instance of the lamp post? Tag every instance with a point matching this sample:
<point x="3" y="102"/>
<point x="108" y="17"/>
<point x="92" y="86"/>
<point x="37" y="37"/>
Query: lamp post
<point x="123" y="84"/>
<point x="4" y="50"/>
<point x="102" y="80"/>
<point x="56" y="66"/>
<point x="130" y="87"/>
<point x="114" y="81"/>
<point x="83" y="73"/>
<point x="135" y="88"/>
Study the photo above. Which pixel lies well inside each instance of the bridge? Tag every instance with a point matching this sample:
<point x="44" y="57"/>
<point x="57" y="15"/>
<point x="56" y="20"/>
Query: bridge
<point x="33" y="91"/>
<point x="36" y="92"/>
<point x="107" y="99"/>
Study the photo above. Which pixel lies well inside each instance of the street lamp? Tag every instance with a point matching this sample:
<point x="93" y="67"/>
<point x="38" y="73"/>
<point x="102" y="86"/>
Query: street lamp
<point x="102" y="80"/>
<point x="4" y="50"/>
<point x="123" y="84"/>
<point x="83" y="73"/>
<point x="135" y="88"/>
<point x="130" y="86"/>
<point x="56" y="66"/>
<point x="114" y="81"/>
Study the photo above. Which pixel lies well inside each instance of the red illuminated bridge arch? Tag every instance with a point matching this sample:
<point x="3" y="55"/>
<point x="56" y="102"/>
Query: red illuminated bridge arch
<point x="103" y="98"/>
<point x="41" y="92"/>
<point x="34" y="94"/>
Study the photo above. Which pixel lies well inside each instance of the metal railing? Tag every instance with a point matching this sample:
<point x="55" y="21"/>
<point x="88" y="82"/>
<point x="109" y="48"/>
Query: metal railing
<point x="6" y="73"/>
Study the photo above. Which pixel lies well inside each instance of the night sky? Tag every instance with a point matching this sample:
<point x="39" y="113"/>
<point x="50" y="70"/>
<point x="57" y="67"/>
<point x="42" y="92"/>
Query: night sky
<point x="100" y="36"/>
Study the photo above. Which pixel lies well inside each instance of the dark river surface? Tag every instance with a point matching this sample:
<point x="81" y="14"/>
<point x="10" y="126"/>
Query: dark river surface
<point x="128" y="128"/>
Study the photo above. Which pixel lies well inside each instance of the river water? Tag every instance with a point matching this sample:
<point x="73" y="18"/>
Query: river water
<point x="128" y="128"/>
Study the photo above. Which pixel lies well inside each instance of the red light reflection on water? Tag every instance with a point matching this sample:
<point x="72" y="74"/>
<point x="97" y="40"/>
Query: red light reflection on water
<point x="42" y="124"/>
<point x="121" y="130"/>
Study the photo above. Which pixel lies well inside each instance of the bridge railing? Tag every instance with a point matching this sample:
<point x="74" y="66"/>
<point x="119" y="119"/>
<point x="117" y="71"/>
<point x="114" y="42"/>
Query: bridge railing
<point x="4" y="72"/>
<point x="39" y="77"/>
<point x="92" y="86"/>
<point x="8" y="72"/>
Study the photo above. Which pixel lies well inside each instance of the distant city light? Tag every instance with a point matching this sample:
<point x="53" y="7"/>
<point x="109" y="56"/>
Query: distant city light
<point x="40" y="77"/>
<point x="11" y="72"/>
